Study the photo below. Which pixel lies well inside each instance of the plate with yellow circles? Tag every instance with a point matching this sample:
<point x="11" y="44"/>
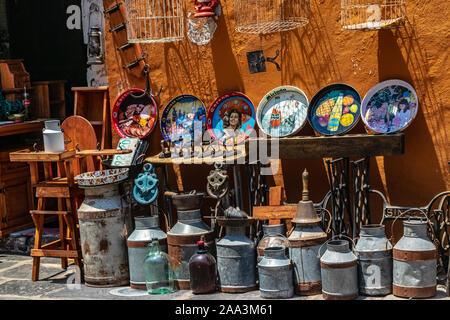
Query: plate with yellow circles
<point x="334" y="109"/>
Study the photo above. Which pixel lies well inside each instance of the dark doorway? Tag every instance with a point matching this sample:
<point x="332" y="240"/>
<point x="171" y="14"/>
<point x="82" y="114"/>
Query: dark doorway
<point x="47" y="35"/>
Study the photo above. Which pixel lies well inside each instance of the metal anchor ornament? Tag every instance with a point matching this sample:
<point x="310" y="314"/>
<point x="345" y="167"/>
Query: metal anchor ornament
<point x="218" y="182"/>
<point x="146" y="186"/>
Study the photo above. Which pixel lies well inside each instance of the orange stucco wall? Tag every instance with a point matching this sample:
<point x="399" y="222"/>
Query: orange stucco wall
<point x="312" y="57"/>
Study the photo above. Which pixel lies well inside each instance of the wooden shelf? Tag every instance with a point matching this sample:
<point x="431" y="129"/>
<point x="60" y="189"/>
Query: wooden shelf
<point x="48" y="99"/>
<point x="350" y="145"/>
<point x="92" y="103"/>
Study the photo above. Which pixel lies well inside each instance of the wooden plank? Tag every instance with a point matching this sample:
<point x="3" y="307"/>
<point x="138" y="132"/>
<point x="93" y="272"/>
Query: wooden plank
<point x="62" y="212"/>
<point x="23" y="127"/>
<point x="275" y="199"/>
<point x="27" y="155"/>
<point x="350" y="145"/>
<point x="91" y="89"/>
<point x="52" y="192"/>
<point x="103" y="152"/>
<point x="274" y="212"/>
<point x="54" y="253"/>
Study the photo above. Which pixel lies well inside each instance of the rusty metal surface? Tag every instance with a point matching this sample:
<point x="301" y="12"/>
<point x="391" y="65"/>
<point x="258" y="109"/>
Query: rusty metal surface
<point x="308" y="288"/>
<point x="327" y="296"/>
<point x="191" y="239"/>
<point x="405" y="255"/>
<point x="308" y="241"/>
<point x="411" y="292"/>
<point x="138" y="286"/>
<point x="144" y="244"/>
<point x="103" y="240"/>
<point x="232" y="289"/>
<point x="338" y="265"/>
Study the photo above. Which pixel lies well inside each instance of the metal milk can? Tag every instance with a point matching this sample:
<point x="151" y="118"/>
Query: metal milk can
<point x="103" y="237"/>
<point x="339" y="271"/>
<point x="276" y="274"/>
<point x="236" y="255"/>
<point x="374" y="252"/>
<point x="414" y="267"/>
<point x="146" y="228"/>
<point x="273" y="236"/>
<point x="53" y="136"/>
<point x="183" y="237"/>
<point x="305" y="241"/>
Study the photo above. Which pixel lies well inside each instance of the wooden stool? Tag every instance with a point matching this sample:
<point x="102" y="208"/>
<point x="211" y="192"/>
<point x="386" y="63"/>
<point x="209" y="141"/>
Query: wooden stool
<point x="61" y="187"/>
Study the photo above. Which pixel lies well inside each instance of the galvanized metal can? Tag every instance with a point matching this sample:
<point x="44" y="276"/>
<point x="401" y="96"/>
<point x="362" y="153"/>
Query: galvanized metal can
<point x="374" y="252"/>
<point x="304" y="244"/>
<point x="183" y="237"/>
<point x="236" y="258"/>
<point x="103" y="238"/>
<point x="339" y="272"/>
<point x="276" y="274"/>
<point x="414" y="267"/>
<point x="273" y="236"/>
<point x="146" y="228"/>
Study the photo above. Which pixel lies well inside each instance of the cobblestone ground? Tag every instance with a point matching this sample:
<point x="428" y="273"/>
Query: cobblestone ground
<point x="16" y="284"/>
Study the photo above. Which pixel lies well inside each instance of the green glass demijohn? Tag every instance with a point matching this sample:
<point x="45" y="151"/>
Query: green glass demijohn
<point x="158" y="271"/>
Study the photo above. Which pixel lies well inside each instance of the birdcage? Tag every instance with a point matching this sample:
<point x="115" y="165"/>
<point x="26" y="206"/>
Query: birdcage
<point x="152" y="21"/>
<point x="266" y="16"/>
<point x="372" y="14"/>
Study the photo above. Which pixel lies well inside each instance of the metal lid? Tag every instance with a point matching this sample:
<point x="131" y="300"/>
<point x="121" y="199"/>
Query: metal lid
<point x="143" y="222"/>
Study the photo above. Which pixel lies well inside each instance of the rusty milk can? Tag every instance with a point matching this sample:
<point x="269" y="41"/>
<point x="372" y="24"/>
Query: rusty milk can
<point x="305" y="241"/>
<point x="339" y="271"/>
<point x="183" y="236"/>
<point x="414" y="267"/>
<point x="276" y="274"/>
<point x="102" y="229"/>
<point x="146" y="229"/>
<point x="273" y="236"/>
<point x="236" y="254"/>
<point x="374" y="252"/>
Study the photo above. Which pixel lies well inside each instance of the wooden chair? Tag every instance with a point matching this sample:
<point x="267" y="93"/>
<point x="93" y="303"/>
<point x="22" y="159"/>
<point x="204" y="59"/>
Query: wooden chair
<point x="58" y="182"/>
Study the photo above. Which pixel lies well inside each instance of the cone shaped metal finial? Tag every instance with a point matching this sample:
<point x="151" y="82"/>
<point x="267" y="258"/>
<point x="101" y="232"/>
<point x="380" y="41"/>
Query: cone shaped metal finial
<point x="305" y="208"/>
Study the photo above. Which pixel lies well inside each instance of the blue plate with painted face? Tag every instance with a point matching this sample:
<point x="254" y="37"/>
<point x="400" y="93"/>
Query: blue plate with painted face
<point x="335" y="109"/>
<point x="183" y="119"/>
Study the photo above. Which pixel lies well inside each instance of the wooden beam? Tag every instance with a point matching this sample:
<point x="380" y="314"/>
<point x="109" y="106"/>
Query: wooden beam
<point x="274" y="212"/>
<point x="351" y="145"/>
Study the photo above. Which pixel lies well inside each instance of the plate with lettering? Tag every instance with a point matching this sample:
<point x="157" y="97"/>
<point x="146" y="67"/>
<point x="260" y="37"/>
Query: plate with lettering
<point x="390" y="106"/>
<point x="282" y="112"/>
<point x="335" y="109"/>
<point x="183" y="119"/>
<point x="231" y="118"/>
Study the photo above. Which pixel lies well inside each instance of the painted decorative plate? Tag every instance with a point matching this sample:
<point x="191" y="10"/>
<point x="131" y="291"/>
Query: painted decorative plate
<point x="282" y="112"/>
<point x="390" y="106"/>
<point x="231" y="118"/>
<point x="335" y="109"/>
<point x="134" y="114"/>
<point x="98" y="178"/>
<point x="183" y="119"/>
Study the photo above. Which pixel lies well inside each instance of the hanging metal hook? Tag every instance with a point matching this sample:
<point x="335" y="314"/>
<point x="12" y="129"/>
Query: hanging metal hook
<point x="273" y="60"/>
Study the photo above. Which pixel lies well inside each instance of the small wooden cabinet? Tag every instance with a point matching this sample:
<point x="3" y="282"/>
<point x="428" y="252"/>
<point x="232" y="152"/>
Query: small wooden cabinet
<point x="92" y="103"/>
<point x="16" y="198"/>
<point x="49" y="100"/>
<point x="13" y="74"/>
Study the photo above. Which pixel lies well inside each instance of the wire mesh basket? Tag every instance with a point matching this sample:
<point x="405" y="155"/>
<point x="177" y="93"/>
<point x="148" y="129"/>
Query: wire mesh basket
<point x="267" y="16"/>
<point x="152" y="21"/>
<point x="372" y="14"/>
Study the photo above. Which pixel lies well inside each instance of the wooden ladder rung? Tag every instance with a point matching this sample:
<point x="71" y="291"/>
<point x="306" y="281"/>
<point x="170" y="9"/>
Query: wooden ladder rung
<point x="49" y="212"/>
<point x="55" y="253"/>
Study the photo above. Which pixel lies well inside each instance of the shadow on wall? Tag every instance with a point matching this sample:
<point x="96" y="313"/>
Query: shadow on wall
<point x="226" y="69"/>
<point x="186" y="66"/>
<point x="308" y="50"/>
<point x="415" y="177"/>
